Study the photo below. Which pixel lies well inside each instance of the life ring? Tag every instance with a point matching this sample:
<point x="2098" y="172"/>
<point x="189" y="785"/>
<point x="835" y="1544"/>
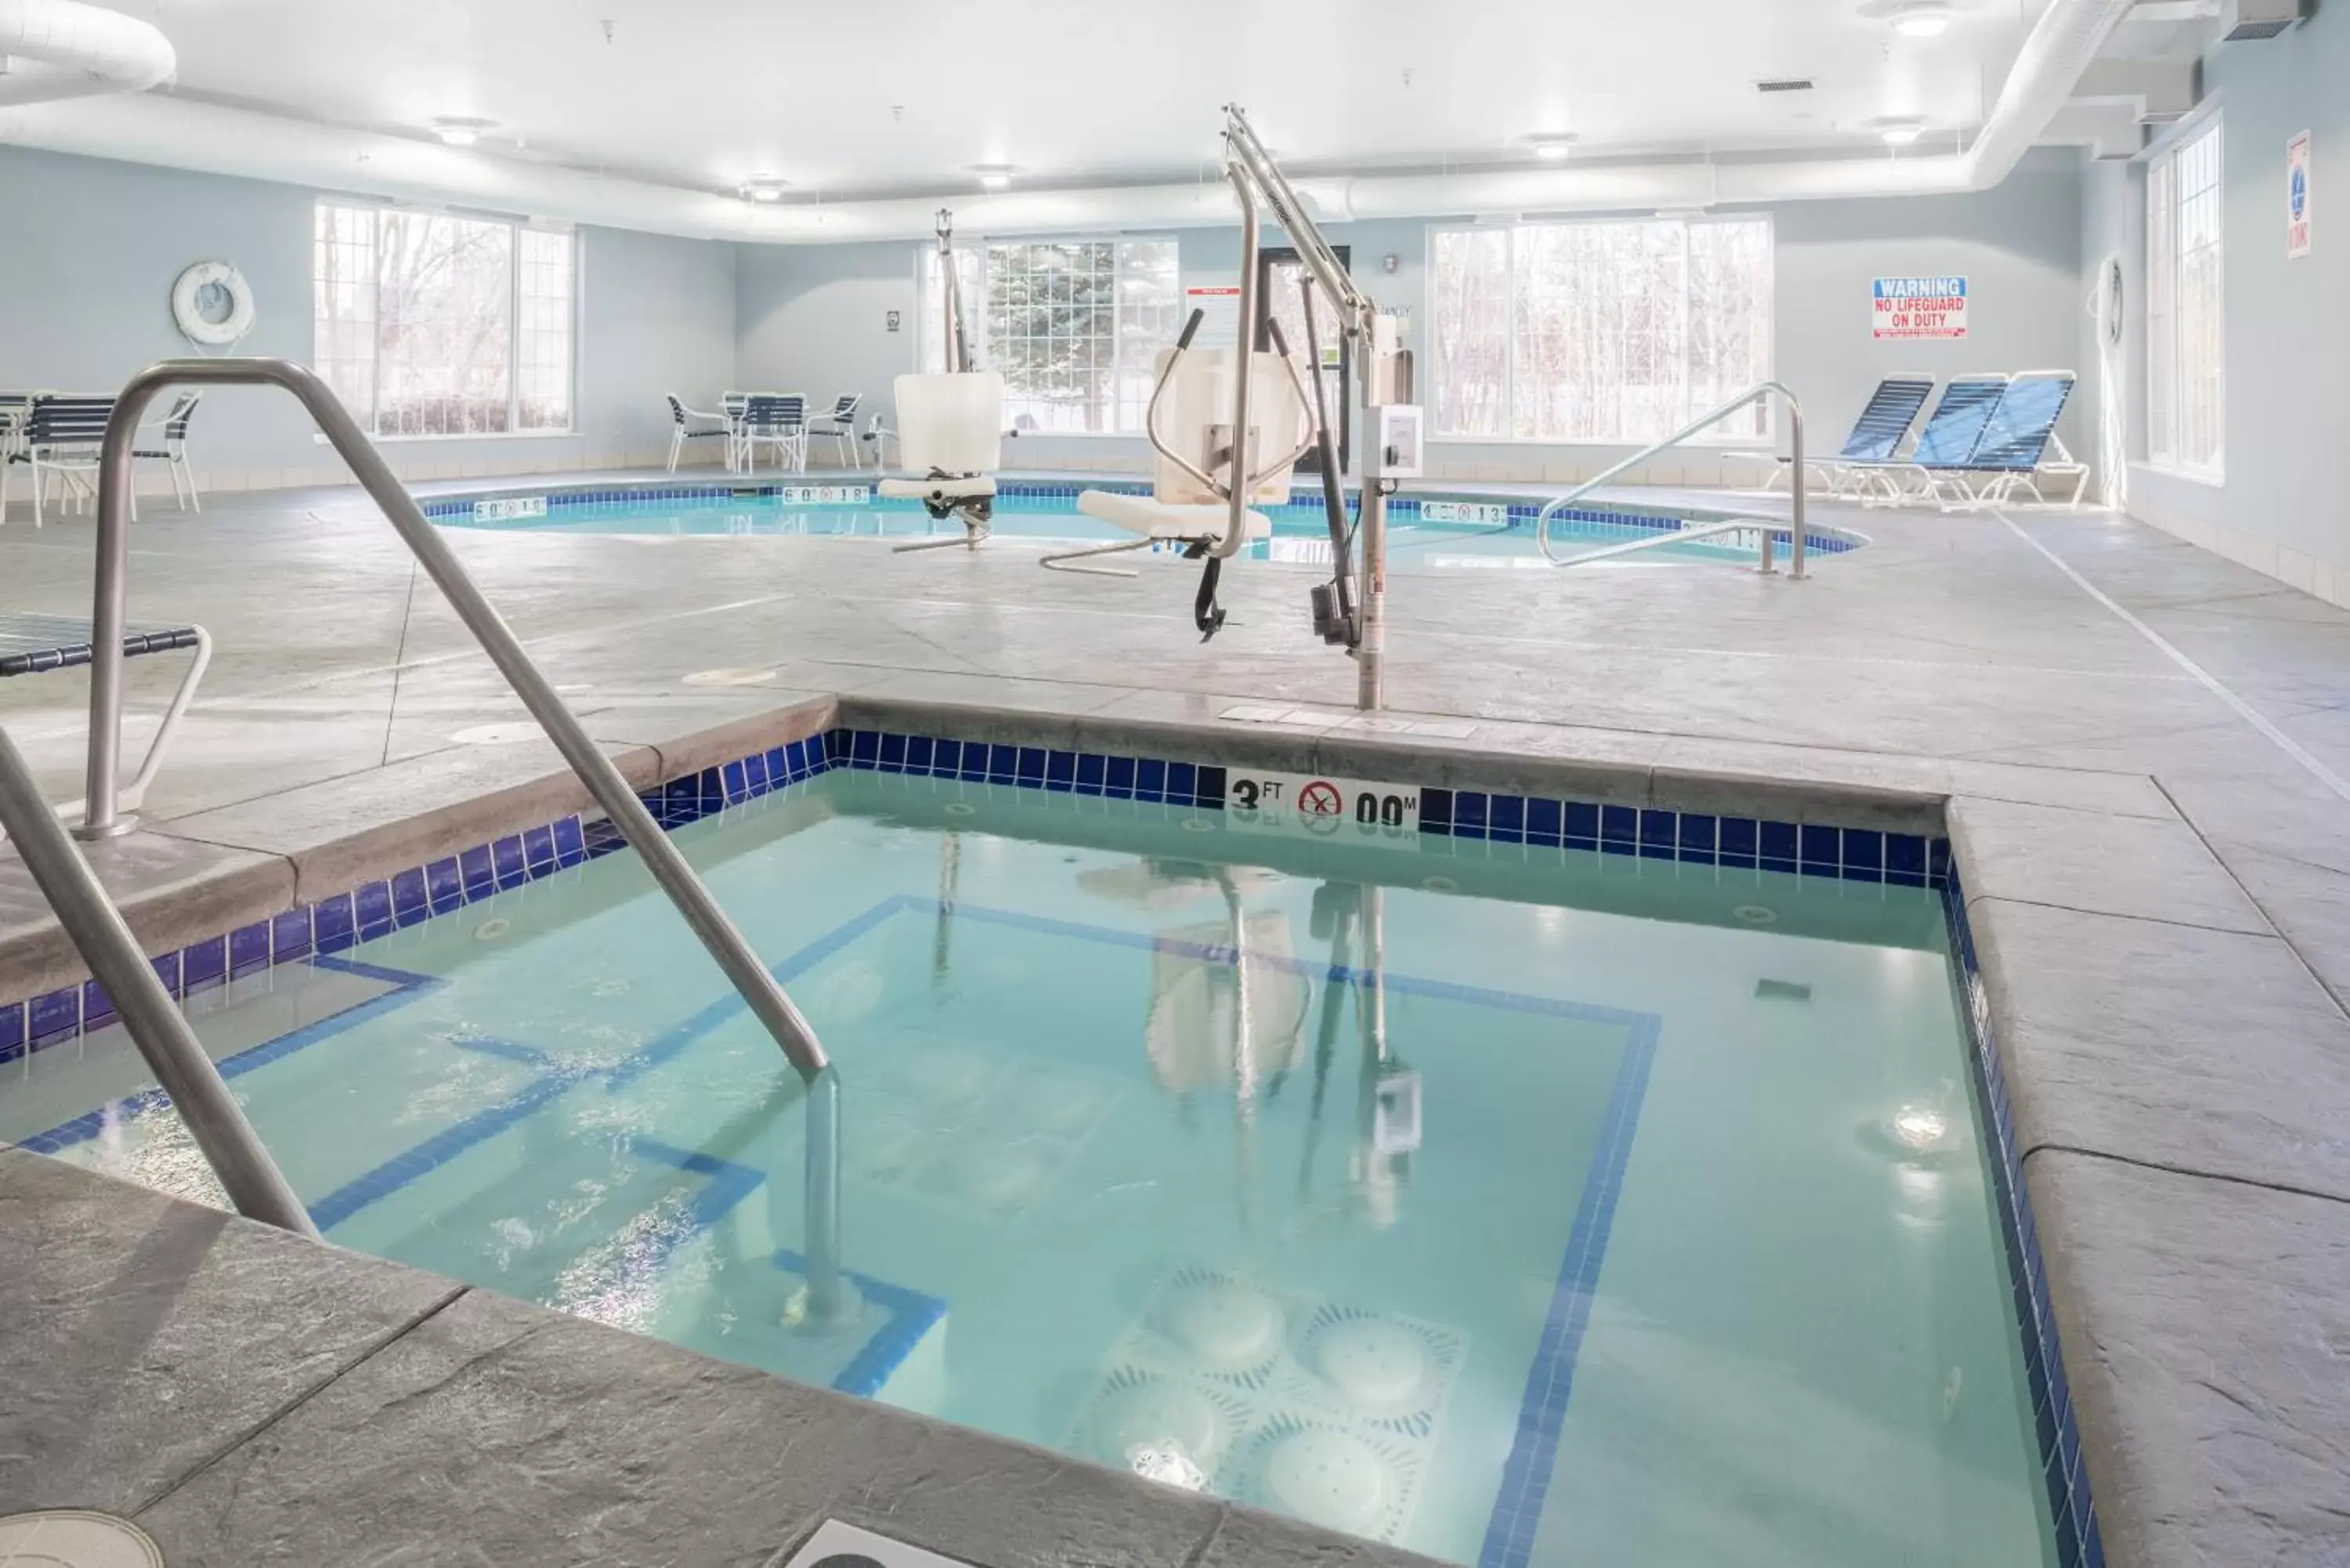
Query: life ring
<point x="187" y="303"/>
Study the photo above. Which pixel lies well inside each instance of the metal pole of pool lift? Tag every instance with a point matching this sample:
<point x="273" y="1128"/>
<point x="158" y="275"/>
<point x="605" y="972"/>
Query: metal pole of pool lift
<point x="154" y="1021"/>
<point x="1236" y="524"/>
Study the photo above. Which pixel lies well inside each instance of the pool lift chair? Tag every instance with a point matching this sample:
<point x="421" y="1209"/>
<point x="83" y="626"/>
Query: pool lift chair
<point x="1198" y="507"/>
<point x="949" y="427"/>
<point x="1349" y="610"/>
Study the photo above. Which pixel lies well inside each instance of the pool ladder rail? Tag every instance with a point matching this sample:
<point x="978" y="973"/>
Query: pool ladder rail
<point x="1795" y="527"/>
<point x="254" y="1183"/>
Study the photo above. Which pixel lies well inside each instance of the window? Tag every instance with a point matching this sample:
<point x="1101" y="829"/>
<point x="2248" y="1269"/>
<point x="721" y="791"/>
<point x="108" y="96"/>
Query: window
<point x="2185" y="359"/>
<point x="1600" y="331"/>
<point x="433" y="324"/>
<point x="1074" y="326"/>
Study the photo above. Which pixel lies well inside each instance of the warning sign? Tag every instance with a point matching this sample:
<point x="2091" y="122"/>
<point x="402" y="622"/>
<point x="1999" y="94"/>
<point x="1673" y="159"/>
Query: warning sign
<point x="1910" y="308"/>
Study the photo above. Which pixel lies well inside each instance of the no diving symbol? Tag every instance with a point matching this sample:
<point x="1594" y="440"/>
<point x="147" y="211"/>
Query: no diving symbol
<point x="1320" y="798"/>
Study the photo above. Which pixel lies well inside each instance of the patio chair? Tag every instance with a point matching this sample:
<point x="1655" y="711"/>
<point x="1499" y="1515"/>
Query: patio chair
<point x="682" y="429"/>
<point x="776" y="419"/>
<point x="172" y="451"/>
<point x="37" y="644"/>
<point x="841" y="425"/>
<point x="61" y="437"/>
<point x="734" y="404"/>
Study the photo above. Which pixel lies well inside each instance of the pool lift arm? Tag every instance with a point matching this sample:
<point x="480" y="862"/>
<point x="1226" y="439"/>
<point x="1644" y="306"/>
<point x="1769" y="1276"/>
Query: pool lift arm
<point x="1350" y="610"/>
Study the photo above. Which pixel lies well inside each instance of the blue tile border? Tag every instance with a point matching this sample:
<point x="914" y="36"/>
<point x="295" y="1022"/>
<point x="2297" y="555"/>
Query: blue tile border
<point x="334" y="923"/>
<point x="2071" y="1508"/>
<point x="1702" y="838"/>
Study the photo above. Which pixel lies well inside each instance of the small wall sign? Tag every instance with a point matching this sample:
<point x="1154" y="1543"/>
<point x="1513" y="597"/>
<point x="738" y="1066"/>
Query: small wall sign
<point x="1496" y="514"/>
<point x="825" y="494"/>
<point x="2296" y="189"/>
<point x="895" y="317"/>
<point x="1909" y="309"/>
<point x="506" y="509"/>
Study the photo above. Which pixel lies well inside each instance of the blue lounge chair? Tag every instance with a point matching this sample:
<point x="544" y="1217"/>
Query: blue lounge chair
<point x="2012" y="454"/>
<point x="1944" y="445"/>
<point x="1876" y="437"/>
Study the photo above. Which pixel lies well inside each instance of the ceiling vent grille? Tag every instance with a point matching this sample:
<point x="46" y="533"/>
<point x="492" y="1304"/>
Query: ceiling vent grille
<point x="1784" y="84"/>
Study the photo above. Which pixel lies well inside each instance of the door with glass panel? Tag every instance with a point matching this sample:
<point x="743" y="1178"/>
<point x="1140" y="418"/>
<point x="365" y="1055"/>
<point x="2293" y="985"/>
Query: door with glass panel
<point x="1278" y="300"/>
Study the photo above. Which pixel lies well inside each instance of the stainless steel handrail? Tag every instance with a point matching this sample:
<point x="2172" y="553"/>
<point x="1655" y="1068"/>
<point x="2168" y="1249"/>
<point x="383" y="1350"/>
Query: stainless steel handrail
<point x="149" y="1015"/>
<point x="677" y="878"/>
<point x="1766" y="526"/>
<point x="751" y="980"/>
<point x="1703" y="422"/>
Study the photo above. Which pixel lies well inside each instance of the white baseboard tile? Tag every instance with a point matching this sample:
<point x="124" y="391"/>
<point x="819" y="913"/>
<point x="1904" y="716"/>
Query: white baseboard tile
<point x="2321" y="579"/>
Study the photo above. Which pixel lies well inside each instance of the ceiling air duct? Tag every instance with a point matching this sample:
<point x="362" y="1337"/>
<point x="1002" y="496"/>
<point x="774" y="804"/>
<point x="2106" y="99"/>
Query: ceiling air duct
<point x="52" y="49"/>
<point x="2245" y="19"/>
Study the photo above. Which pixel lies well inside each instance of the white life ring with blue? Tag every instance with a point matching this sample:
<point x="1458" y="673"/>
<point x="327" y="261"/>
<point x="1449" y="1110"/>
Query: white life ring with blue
<point x="187" y="309"/>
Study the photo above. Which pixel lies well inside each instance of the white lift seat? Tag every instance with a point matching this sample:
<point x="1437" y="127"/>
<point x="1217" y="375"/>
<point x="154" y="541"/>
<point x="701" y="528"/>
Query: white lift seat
<point x="1193" y="413"/>
<point x="1160" y="522"/>
<point x="950" y="442"/>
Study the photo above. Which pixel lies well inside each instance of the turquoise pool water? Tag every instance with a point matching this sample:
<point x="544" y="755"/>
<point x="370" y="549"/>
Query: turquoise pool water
<point x="1300" y="532"/>
<point x="1518" y="1206"/>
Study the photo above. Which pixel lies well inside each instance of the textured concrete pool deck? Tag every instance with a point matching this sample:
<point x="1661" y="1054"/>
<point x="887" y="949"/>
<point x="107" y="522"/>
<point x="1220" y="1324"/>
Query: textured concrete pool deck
<point x="2137" y="748"/>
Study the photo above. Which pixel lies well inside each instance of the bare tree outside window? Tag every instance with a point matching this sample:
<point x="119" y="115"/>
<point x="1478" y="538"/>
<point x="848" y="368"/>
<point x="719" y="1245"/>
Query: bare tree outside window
<point x="432" y="325"/>
<point x="1616" y="331"/>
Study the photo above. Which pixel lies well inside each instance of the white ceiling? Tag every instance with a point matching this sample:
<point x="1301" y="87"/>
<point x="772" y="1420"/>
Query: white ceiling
<point x="888" y="97"/>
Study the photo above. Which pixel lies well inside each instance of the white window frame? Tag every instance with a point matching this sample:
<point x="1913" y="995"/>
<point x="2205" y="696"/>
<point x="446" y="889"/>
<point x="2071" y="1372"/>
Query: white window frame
<point x="977" y="333"/>
<point x="1726" y="439"/>
<point x="518" y="226"/>
<point x="2168" y="374"/>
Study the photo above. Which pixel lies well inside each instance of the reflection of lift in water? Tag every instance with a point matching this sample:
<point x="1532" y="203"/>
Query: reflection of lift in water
<point x="1230" y="1002"/>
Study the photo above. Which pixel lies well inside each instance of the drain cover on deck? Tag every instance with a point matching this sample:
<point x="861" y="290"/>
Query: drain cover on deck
<point x="73" y="1537"/>
<point x="838" y="1545"/>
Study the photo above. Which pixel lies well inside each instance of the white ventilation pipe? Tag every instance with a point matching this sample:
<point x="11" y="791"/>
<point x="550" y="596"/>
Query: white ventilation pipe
<point x="180" y="133"/>
<point x="52" y="49"/>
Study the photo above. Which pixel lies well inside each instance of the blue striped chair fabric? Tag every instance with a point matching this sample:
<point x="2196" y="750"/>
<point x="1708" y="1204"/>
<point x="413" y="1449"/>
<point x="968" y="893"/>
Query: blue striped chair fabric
<point x="1957" y="423"/>
<point x="1892" y="409"/>
<point x="2015" y="436"/>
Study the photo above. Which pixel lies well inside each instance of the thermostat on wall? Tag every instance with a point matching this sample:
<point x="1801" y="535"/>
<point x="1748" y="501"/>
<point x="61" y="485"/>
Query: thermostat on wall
<point x="838" y="1545"/>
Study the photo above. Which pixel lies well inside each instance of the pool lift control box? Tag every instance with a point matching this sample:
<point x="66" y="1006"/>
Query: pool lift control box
<point x="1397" y="450"/>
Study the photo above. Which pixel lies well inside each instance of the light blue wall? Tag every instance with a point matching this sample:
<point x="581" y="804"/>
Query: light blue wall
<point x="2283" y="508"/>
<point x="813" y="317"/>
<point x="91" y="248"/>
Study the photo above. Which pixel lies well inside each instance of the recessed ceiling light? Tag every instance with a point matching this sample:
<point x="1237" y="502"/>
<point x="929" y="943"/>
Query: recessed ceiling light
<point x="763" y="188"/>
<point x="1922" y="19"/>
<point x="1551" y="145"/>
<point x="460" y="129"/>
<point x="1898" y="130"/>
<point x="993" y="176"/>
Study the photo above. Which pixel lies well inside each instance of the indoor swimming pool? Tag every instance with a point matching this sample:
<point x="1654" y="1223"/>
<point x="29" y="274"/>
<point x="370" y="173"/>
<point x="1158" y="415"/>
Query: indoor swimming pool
<point x="1513" y="1203"/>
<point x="1487" y="533"/>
